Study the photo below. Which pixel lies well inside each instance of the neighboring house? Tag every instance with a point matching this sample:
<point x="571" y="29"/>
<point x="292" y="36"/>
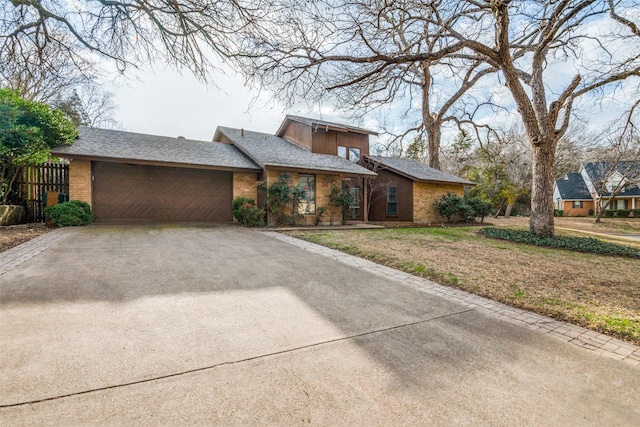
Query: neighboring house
<point x="589" y="190"/>
<point x="130" y="176"/>
<point x="572" y="196"/>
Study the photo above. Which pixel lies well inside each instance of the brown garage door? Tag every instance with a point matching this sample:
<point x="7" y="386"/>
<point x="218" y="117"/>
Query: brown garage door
<point x="156" y="193"/>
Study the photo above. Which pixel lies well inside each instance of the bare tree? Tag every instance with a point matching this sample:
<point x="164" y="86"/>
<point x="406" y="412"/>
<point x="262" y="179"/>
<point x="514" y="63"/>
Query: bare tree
<point x="184" y="33"/>
<point x="548" y="33"/>
<point x="376" y="188"/>
<point x="365" y="55"/>
<point x="41" y="75"/>
<point x="617" y="166"/>
<point x="526" y="41"/>
<point x="88" y="105"/>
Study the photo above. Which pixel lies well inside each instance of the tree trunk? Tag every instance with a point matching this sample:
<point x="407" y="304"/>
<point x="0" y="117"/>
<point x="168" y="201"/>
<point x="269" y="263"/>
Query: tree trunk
<point x="541" y="221"/>
<point x="507" y="212"/>
<point x="434" y="136"/>
<point x="431" y="122"/>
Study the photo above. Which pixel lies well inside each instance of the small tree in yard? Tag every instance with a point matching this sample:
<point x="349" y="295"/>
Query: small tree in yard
<point x="340" y="196"/>
<point x="619" y="166"/>
<point x="279" y="197"/>
<point x="480" y="207"/>
<point x="28" y="131"/>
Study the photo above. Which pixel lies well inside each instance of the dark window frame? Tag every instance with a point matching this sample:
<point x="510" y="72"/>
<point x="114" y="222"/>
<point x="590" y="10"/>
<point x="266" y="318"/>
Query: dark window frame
<point x="304" y="206"/>
<point x="392" y="200"/>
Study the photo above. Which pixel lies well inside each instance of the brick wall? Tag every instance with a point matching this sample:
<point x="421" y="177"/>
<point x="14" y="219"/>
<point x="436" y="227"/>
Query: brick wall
<point x="80" y="180"/>
<point x="569" y="210"/>
<point x="323" y="188"/>
<point x="245" y="185"/>
<point x="424" y="197"/>
<point x="333" y="214"/>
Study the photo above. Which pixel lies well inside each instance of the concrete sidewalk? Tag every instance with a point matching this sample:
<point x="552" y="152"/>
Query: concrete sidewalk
<point x="221" y="325"/>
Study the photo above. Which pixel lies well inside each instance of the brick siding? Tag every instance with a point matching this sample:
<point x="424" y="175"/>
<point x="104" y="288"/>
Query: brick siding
<point x="80" y="181"/>
<point x="323" y="188"/>
<point x="424" y="197"/>
<point x="569" y="210"/>
<point x="245" y="185"/>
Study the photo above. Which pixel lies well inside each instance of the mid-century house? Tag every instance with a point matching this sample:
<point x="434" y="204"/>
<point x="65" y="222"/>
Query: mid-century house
<point x="128" y="176"/>
<point x="583" y="193"/>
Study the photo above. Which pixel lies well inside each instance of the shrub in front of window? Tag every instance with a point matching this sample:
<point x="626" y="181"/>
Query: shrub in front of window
<point x="609" y="213"/>
<point x="247" y="213"/>
<point x="72" y="213"/>
<point x="340" y="196"/>
<point x="286" y="202"/>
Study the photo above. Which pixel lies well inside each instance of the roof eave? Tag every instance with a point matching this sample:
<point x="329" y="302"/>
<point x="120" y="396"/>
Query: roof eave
<point x="153" y="162"/>
<point x="239" y="147"/>
<point x="335" y="127"/>
<point x="414" y="178"/>
<point x="320" y="170"/>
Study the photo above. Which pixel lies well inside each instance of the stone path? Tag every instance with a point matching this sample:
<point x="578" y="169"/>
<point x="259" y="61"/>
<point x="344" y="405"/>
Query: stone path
<point x="587" y="339"/>
<point x="15" y="256"/>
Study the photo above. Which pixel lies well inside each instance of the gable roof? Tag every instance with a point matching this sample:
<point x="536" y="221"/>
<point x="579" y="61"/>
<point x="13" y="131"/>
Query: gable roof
<point x="321" y="124"/>
<point x="417" y="171"/>
<point x="271" y="150"/>
<point x="597" y="172"/>
<point x="105" y="144"/>
<point x="573" y="187"/>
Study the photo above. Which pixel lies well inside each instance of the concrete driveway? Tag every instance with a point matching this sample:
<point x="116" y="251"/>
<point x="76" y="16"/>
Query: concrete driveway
<point x="182" y="325"/>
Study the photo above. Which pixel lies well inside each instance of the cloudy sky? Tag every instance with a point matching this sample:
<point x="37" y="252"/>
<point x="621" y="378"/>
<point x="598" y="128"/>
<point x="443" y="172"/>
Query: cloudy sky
<point x="166" y="102"/>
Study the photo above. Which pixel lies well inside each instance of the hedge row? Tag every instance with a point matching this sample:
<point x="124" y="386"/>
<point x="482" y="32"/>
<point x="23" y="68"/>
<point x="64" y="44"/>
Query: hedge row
<point x="579" y="244"/>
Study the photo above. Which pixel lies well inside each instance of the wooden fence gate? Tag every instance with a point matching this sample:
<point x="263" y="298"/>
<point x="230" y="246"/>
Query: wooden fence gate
<point x="36" y="181"/>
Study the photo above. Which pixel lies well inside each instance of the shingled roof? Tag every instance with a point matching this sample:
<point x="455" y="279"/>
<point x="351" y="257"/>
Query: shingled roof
<point x="417" y="171"/>
<point x="321" y="124"/>
<point x="573" y="187"/>
<point x="599" y="171"/>
<point x="271" y="150"/>
<point x="117" y="145"/>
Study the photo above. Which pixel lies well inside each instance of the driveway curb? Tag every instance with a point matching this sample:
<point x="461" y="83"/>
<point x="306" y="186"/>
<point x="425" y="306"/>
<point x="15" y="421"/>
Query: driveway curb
<point x="587" y="339"/>
<point x="15" y="256"/>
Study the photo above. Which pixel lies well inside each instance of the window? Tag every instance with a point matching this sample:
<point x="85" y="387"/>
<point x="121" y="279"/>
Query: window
<point x="392" y="201"/>
<point x="354" y="155"/>
<point x="342" y="151"/>
<point x="308" y="203"/>
<point x="577" y="204"/>
<point x="355" y="206"/>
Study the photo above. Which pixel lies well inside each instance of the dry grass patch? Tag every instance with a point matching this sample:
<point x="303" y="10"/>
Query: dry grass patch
<point x="598" y="292"/>
<point x="10" y="237"/>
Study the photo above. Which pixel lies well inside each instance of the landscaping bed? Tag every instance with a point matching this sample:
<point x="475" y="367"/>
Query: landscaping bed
<point x="15" y="235"/>
<point x="594" y="291"/>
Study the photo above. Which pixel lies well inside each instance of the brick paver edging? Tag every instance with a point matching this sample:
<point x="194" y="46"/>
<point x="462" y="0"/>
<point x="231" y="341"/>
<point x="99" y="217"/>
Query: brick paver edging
<point x="15" y="256"/>
<point x="587" y="339"/>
